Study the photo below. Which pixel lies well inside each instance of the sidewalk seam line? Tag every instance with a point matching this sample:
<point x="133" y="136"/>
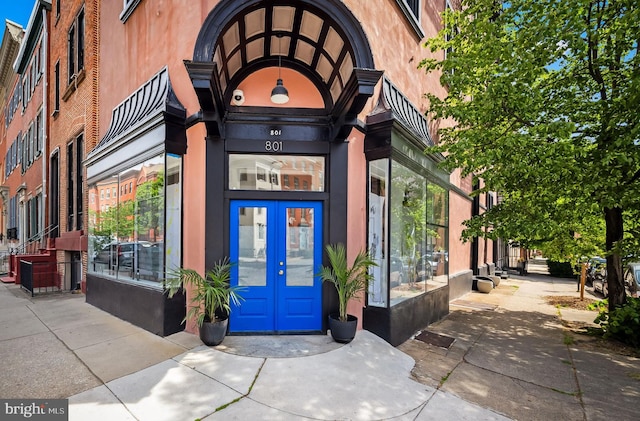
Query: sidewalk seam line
<point x="575" y="375"/>
<point x="66" y="346"/>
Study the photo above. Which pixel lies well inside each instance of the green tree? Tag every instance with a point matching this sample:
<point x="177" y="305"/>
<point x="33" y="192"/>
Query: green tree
<point x="545" y="97"/>
<point x="113" y="224"/>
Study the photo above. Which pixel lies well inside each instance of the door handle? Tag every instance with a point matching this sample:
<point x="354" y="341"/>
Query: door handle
<point x="281" y="272"/>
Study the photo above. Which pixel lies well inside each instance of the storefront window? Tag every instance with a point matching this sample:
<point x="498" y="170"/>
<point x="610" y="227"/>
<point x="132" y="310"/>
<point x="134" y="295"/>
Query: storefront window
<point x="129" y="239"/>
<point x="276" y="172"/>
<point x="378" y="200"/>
<point x="438" y="221"/>
<point x="408" y="233"/>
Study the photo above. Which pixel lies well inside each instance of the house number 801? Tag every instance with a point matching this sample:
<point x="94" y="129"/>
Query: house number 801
<point x="272" y="146"/>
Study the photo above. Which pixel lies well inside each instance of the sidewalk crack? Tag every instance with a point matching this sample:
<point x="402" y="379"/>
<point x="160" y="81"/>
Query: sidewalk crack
<point x="245" y="395"/>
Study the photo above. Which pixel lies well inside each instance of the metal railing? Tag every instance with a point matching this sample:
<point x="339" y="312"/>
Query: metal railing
<point x="38" y="240"/>
<point x="49" y="277"/>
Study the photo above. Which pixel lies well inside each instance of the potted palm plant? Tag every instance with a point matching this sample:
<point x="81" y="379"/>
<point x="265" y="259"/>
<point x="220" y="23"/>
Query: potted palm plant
<point x="349" y="281"/>
<point x="212" y="298"/>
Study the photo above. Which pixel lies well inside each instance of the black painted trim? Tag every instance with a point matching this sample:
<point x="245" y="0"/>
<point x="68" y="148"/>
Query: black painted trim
<point x="398" y="323"/>
<point x="148" y="308"/>
<point x="216" y="233"/>
<point x="218" y="19"/>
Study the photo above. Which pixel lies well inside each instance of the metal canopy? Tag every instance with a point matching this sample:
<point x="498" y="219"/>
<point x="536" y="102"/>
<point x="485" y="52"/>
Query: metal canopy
<point x="395" y="109"/>
<point x="150" y="120"/>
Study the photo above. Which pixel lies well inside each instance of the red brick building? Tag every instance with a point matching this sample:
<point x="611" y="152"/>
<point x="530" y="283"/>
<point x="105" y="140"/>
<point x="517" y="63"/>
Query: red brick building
<point x="25" y="135"/>
<point x="9" y="80"/>
<point x="73" y="108"/>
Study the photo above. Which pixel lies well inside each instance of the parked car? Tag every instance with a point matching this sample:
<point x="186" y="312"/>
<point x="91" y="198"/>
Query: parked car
<point x="600" y="281"/>
<point x="594" y="265"/>
<point x="632" y="279"/>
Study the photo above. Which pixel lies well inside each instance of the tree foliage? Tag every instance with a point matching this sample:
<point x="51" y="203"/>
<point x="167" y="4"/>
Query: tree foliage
<point x="545" y="98"/>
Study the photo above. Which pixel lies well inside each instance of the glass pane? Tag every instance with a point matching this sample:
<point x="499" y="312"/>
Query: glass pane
<point x="148" y="221"/>
<point x="409" y="269"/>
<point x="103" y="227"/>
<point x="438" y="257"/>
<point x="126" y="223"/>
<point x="252" y="243"/>
<point x="300" y="246"/>
<point x="173" y="251"/>
<point x="378" y="181"/>
<point x="437" y="204"/>
<point x="276" y="172"/>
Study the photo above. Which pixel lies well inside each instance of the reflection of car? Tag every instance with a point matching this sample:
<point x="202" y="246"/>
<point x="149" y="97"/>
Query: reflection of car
<point x="632" y="279"/>
<point x="120" y="254"/>
<point x="425" y="267"/>
<point x="428" y="264"/>
<point x="150" y="259"/>
<point x="124" y="254"/>
<point x="397" y="271"/>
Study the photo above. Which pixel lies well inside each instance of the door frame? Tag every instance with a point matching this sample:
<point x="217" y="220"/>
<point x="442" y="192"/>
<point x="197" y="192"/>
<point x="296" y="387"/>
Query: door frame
<point x="276" y="295"/>
<point x="306" y="136"/>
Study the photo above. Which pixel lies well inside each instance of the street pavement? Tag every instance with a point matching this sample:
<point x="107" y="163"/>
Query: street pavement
<point x="512" y="356"/>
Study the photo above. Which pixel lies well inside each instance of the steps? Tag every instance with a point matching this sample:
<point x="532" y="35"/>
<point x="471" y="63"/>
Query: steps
<point x="538" y="266"/>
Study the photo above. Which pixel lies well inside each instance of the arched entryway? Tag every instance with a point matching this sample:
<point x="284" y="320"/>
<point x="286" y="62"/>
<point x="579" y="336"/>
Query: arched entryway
<point x="276" y="175"/>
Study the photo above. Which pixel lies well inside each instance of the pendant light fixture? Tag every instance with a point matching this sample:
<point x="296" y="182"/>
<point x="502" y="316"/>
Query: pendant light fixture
<point x="279" y="94"/>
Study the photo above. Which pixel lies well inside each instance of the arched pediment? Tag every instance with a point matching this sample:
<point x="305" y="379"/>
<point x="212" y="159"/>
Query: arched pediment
<point x="321" y="40"/>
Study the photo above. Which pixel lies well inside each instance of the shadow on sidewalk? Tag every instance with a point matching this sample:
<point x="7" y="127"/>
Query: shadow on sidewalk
<point x="527" y="365"/>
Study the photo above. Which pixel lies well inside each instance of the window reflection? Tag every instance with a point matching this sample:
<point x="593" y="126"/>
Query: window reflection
<point x="276" y="172"/>
<point x="378" y="199"/>
<point x="300" y="246"/>
<point x="408" y="234"/>
<point x="127" y="221"/>
<point x="252" y="243"/>
<point x="416" y="259"/>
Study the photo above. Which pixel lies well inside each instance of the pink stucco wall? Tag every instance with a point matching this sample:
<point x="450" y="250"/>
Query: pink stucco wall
<point x="162" y="33"/>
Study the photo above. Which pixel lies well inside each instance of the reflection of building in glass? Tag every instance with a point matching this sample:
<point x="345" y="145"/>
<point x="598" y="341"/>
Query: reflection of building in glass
<point x="300" y="231"/>
<point x="253" y="222"/>
<point x="276" y="172"/>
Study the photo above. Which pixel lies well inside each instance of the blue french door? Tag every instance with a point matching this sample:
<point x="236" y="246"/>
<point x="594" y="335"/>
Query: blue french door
<point x="277" y="250"/>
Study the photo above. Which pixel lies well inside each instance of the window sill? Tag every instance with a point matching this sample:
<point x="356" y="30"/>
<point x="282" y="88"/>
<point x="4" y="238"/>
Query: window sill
<point x="73" y="85"/>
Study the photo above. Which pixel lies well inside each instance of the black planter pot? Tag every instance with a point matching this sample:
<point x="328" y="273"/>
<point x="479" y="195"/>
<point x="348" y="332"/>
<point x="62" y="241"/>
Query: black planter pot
<point x="343" y="332"/>
<point x="213" y="333"/>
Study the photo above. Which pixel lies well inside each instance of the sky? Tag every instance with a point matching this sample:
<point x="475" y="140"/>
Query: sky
<point x="17" y="11"/>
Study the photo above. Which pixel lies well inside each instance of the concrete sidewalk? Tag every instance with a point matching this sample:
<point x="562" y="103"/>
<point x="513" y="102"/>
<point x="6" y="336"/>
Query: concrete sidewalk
<point x="526" y="358"/>
<point x="510" y="355"/>
<point x="59" y="347"/>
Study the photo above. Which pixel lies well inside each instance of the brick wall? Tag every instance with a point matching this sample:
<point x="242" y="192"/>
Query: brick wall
<point x="78" y="105"/>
